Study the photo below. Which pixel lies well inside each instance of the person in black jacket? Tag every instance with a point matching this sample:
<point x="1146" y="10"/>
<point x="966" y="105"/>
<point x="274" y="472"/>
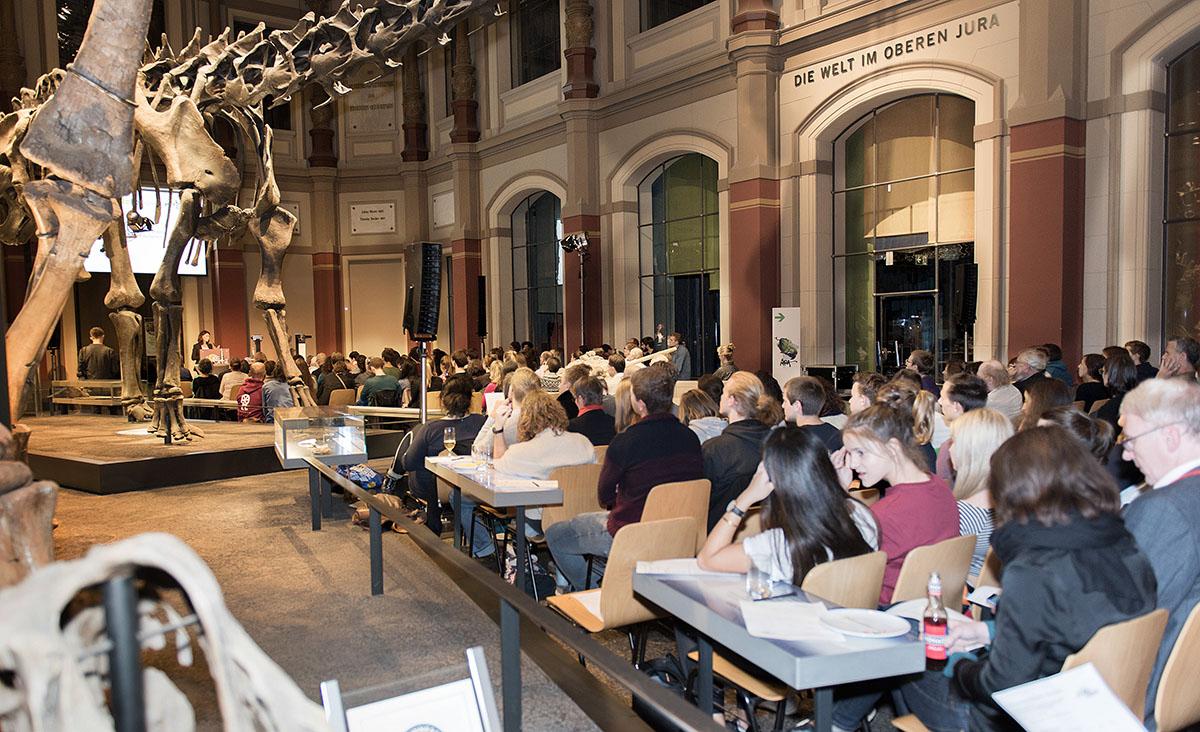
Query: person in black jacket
<point x="206" y="386"/>
<point x="1070" y="568"/>
<point x="731" y="457"/>
<point x="591" y="421"/>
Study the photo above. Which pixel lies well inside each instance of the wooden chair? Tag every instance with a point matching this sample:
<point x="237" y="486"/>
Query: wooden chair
<point x="868" y="496"/>
<point x="613" y="604"/>
<point x="601" y="451"/>
<point x="341" y="397"/>
<point x="578" y="485"/>
<point x="186" y="388"/>
<point x="1097" y="404"/>
<point x="1124" y="655"/>
<point x="1176" y="704"/>
<point x="988" y="576"/>
<point x="1079" y="404"/>
<point x="683" y="498"/>
<point x="751" y="525"/>
<point x="476" y="402"/>
<point x="951" y="559"/>
<point x="433" y="400"/>
<point x="851" y="582"/>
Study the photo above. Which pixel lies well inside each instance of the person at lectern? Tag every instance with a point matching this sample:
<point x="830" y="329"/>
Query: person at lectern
<point x="204" y="340"/>
<point x="96" y="360"/>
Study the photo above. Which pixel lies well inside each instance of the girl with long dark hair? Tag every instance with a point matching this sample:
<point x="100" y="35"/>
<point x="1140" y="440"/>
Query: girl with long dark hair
<point x="807" y="518"/>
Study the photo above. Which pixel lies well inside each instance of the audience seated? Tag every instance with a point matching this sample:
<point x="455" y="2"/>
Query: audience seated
<point x="807" y="518"/>
<point x="1139" y="351"/>
<point x="232" y="379"/>
<point x="275" y="391"/>
<point x="96" y="360"/>
<point x="1028" y="366"/>
<point x="544" y="443"/>
<point x="977" y="435"/>
<point x="1095" y="435"/>
<point x="1002" y="395"/>
<point x="961" y="393"/>
<point x="1091" y="387"/>
<point x="338" y="378"/>
<point x="655" y="450"/>
<point x="616" y="372"/>
<point x="1180" y="359"/>
<point x="428" y="441"/>
<point x="250" y="395"/>
<point x="381" y="389"/>
<point x="551" y="374"/>
<point x="731" y="457"/>
<point x="206" y="386"/>
<point x="864" y="389"/>
<point x="699" y="413"/>
<point x="918" y="508"/>
<point x="1055" y="368"/>
<point x="1070" y="568"/>
<point x="921" y="406"/>
<point x="591" y="420"/>
<point x="1120" y="376"/>
<point x="570" y="375"/>
<point x="803" y="399"/>
<point x="306" y="374"/>
<point x="1041" y="395"/>
<point x="623" y="415"/>
<point x="833" y="411"/>
<point x="521" y="383"/>
<point x="923" y="363"/>
<point x="725" y="357"/>
<point x="1161" y="419"/>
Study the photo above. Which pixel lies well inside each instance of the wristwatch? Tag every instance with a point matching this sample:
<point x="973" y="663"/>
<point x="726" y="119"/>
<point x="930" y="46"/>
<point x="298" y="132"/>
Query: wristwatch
<point x="497" y="431"/>
<point x="732" y="508"/>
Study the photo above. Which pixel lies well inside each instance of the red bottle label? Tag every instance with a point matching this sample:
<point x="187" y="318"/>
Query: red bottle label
<point x="936" y="642"/>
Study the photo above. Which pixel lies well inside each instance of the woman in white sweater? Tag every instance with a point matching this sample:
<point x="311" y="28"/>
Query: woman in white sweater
<point x="544" y="443"/>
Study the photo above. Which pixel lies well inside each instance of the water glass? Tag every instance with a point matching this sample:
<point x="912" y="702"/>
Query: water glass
<point x="758" y="583"/>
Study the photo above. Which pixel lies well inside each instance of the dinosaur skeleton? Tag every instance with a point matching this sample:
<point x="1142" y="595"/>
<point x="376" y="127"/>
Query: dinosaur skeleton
<point x="66" y="180"/>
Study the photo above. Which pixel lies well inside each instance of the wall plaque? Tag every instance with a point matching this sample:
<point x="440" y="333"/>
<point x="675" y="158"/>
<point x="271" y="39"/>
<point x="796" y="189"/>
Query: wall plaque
<point x="373" y="218"/>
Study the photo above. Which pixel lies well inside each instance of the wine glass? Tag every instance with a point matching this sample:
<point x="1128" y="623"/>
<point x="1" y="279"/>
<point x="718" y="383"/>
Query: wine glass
<point x="449" y="439"/>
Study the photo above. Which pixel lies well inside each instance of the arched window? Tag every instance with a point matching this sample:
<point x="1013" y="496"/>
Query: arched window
<point x="537" y="271"/>
<point x="679" y="253"/>
<point x="904" y="214"/>
<point x="1181" y="219"/>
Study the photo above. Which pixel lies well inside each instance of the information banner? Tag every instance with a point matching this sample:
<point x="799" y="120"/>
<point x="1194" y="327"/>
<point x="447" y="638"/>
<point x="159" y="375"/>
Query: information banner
<point x="786" y="337"/>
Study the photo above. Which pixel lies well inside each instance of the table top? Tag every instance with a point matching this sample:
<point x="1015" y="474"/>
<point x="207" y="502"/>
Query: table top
<point x="410" y="413"/>
<point x="487" y="486"/>
<point x="198" y="402"/>
<point x="711" y="605"/>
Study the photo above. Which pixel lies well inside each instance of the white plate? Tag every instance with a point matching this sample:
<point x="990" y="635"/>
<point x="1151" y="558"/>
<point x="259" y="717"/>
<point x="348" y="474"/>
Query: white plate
<point x="865" y="623"/>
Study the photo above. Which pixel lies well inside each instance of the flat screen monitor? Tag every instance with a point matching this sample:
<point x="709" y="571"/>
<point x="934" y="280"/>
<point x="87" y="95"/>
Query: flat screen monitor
<point x="147" y="239"/>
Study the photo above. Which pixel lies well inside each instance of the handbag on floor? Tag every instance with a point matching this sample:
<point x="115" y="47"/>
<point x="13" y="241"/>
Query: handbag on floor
<point x="362" y="475"/>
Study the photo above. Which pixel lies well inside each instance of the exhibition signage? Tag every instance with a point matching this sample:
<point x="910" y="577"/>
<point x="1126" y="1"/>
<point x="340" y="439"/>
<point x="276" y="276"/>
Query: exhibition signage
<point x="786" y="337"/>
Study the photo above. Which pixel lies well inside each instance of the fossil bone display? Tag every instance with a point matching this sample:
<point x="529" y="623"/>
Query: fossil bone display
<point x="59" y="683"/>
<point x="67" y="155"/>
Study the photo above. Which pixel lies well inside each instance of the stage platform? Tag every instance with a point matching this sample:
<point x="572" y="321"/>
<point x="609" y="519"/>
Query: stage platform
<point x="107" y="454"/>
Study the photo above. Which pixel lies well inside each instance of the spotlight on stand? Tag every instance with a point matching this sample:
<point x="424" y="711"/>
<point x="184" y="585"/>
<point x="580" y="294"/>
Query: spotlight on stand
<point x="575" y="243"/>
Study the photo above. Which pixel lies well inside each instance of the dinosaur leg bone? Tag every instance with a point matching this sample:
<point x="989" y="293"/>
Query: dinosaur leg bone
<point x="123" y="297"/>
<point x="277" y="330"/>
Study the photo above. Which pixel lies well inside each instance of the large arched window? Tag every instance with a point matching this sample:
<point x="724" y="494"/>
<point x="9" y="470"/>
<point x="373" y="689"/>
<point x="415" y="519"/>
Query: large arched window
<point x="679" y="253"/>
<point x="537" y="271"/>
<point x="1181" y="220"/>
<point x="904" y="212"/>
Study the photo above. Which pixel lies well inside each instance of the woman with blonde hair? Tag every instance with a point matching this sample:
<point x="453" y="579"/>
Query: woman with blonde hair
<point x="728" y="367"/>
<point x="977" y="435"/>
<point x="731" y="458"/>
<point x="698" y="412"/>
<point x="520" y="384"/>
<point x="625" y="417"/>
<point x="543" y="440"/>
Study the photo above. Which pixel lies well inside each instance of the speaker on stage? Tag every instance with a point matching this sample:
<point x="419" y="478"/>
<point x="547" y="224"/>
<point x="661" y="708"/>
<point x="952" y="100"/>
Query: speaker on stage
<point x="422" y="300"/>
<point x="481" y="321"/>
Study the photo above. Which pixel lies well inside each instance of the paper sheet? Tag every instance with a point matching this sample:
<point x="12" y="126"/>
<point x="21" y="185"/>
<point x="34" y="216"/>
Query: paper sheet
<point x="679" y="566"/>
<point x="799" y="621"/>
<point x="1075" y="699"/>
<point x="491" y="399"/>
<point x="984" y="595"/>
<point x="522" y="484"/>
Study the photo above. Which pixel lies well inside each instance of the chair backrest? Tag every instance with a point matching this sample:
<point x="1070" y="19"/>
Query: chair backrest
<point x="384" y="398"/>
<point x="989" y="576"/>
<point x="951" y="559"/>
<point x="1124" y="655"/>
<point x="683" y="498"/>
<point x="751" y="524"/>
<point x="341" y="397"/>
<point x="476" y="402"/>
<point x="868" y="496"/>
<point x="683" y="387"/>
<point x="850" y="582"/>
<point x="433" y="400"/>
<point x="1177" y="705"/>
<point x="1097" y="404"/>
<point x="578" y="484"/>
<point x="601" y="451"/>
<point x="1079" y="404"/>
<point x="640" y="542"/>
<point x="186" y="388"/>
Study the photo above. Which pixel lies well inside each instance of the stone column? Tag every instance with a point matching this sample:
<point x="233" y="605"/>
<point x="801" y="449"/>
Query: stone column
<point x="754" y="255"/>
<point x="326" y="260"/>
<point x="583" y="292"/>
<point x="230" y="325"/>
<point x="321" y="132"/>
<point x="462" y="85"/>
<point x="580" y="54"/>
<point x="416" y="139"/>
<point x="466" y="250"/>
<point x="1047" y="131"/>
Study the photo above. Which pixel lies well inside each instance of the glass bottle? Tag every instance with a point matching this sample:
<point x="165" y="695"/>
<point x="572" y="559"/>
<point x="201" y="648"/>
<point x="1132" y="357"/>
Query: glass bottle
<point x="935" y="626"/>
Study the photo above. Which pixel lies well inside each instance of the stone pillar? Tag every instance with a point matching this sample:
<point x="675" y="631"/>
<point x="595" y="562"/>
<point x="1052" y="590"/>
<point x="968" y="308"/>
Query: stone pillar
<point x="583" y="294"/>
<point x="462" y="85"/>
<point x="580" y="54"/>
<point x="320" y="133"/>
<point x="230" y="324"/>
<point x="326" y="261"/>
<point x="416" y="139"/>
<point x="466" y="246"/>
<point x="754" y="255"/>
<point x="12" y="63"/>
<point x="1046" y="137"/>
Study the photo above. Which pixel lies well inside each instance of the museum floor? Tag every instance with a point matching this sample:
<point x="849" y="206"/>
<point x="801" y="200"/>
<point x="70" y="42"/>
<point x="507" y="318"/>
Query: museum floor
<point x="304" y="596"/>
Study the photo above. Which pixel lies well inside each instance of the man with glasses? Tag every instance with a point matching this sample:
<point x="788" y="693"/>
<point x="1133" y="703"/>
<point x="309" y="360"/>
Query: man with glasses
<point x="1160" y="420"/>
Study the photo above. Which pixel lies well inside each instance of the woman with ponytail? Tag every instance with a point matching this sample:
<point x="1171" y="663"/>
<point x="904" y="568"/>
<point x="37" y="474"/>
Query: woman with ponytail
<point x="919" y="508"/>
<point x="731" y="458"/>
<point x="920" y="405"/>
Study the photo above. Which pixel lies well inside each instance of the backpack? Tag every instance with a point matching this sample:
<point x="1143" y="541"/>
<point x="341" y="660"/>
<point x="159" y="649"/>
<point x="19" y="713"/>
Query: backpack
<point x="384" y="398"/>
<point x="667" y="672"/>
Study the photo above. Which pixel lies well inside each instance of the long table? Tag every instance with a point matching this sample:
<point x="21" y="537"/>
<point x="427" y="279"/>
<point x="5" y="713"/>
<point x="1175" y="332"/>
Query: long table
<point x="711" y="606"/>
<point x="484" y="487"/>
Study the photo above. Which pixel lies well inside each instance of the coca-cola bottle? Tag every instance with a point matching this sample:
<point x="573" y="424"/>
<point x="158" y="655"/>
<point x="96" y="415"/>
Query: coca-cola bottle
<point x="934" y="626"/>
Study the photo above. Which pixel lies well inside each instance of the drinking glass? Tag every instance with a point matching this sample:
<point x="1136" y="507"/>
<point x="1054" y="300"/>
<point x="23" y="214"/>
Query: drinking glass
<point x="449" y="439"/>
<point x="758" y="583"/>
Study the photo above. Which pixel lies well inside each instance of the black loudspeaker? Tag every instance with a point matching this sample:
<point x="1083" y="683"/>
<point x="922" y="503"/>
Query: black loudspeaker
<point x="423" y="272"/>
<point x="482" y="313"/>
<point x="966" y="292"/>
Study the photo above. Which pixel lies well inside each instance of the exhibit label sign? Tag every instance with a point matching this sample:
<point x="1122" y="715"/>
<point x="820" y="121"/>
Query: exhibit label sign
<point x="786" y="337"/>
<point x="373" y="218"/>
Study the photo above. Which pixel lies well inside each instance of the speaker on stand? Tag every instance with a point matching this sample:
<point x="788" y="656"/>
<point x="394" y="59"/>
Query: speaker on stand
<point x="422" y="301"/>
<point x="966" y="296"/>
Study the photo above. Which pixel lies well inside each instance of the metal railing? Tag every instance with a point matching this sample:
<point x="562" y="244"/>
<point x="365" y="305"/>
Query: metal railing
<point x="514" y="605"/>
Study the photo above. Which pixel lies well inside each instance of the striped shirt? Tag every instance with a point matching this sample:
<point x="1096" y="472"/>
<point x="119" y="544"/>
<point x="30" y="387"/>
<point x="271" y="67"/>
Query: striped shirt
<point x="978" y="521"/>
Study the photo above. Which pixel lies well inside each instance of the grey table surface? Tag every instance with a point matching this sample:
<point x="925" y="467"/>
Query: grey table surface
<point x="711" y="605"/>
<point x="483" y="486"/>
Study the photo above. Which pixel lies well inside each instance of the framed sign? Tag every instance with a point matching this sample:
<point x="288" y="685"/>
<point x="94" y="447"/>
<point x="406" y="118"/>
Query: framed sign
<point x="373" y="218"/>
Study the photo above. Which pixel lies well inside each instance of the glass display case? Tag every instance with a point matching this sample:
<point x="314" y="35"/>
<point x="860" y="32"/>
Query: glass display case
<point x="331" y="435"/>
